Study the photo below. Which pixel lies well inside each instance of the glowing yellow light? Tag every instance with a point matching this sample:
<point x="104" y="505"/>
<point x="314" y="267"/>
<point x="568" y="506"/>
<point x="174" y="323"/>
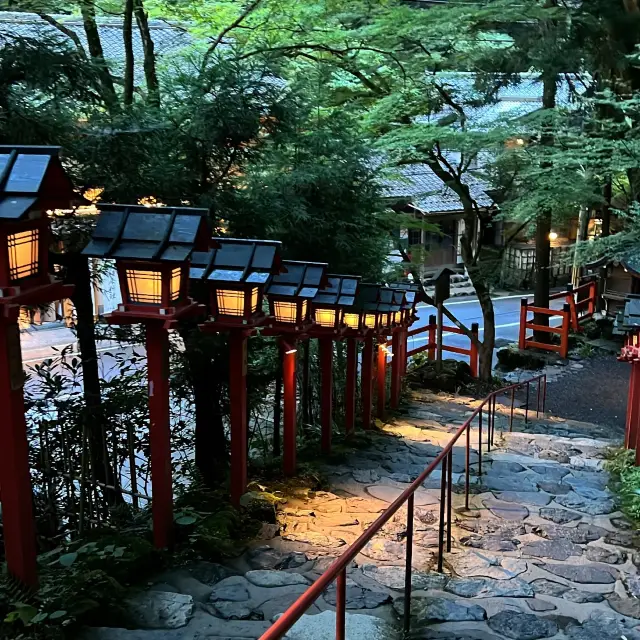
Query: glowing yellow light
<point x="326" y="317"/>
<point x="520" y="142"/>
<point x="397" y="317"/>
<point x="383" y="319"/>
<point x="370" y="320"/>
<point x="230" y="302"/>
<point x="285" y="311"/>
<point x="352" y="320"/>
<point x="553" y="235"/>
<point x="144" y="286"/>
<point x="23" y="254"/>
<point x="151" y="201"/>
<point x="290" y="351"/>
<point x="305" y="306"/>
<point x="254" y="299"/>
<point x="176" y="279"/>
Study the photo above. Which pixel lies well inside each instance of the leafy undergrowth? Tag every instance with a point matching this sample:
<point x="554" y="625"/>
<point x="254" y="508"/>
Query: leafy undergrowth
<point x="626" y="480"/>
<point x="86" y="582"/>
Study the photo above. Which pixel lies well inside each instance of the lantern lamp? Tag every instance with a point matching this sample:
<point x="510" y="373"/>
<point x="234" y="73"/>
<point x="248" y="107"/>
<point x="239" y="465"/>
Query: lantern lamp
<point x="290" y="293"/>
<point x="329" y="304"/>
<point x="152" y="248"/>
<point x="32" y="182"/>
<point x="412" y="295"/>
<point x="236" y="273"/>
<point x="363" y="316"/>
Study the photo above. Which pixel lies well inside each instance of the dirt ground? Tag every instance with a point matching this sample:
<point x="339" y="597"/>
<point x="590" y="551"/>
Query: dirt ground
<point x="596" y="393"/>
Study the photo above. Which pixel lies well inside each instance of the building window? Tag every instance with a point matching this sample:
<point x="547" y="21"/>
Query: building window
<point x="23" y="254"/>
<point x="415" y="237"/>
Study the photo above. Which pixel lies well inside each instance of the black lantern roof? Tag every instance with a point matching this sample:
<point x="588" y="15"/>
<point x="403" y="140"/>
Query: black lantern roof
<point x="388" y="302"/>
<point x="412" y="293"/>
<point x="368" y="298"/>
<point x="298" y="279"/>
<point x="137" y="232"/>
<point x="237" y="261"/>
<point x="631" y="315"/>
<point x="33" y="176"/>
<point x="339" y="291"/>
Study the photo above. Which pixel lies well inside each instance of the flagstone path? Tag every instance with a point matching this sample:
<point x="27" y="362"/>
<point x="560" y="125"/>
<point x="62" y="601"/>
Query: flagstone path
<point x="543" y="551"/>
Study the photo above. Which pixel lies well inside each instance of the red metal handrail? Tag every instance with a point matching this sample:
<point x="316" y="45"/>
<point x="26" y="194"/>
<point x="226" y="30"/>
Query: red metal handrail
<point x="338" y="569"/>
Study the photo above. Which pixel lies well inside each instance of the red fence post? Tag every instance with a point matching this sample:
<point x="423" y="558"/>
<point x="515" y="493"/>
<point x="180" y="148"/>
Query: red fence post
<point x="350" y="386"/>
<point x="593" y="292"/>
<point x="239" y="426"/>
<point x="367" y="382"/>
<point x="381" y="372"/>
<point x="571" y="299"/>
<point x="432" y="337"/>
<point x="564" y="336"/>
<point x="290" y="409"/>
<point x="160" y="434"/>
<point x="396" y="368"/>
<point x="473" y="356"/>
<point x="633" y="402"/>
<point x="326" y="374"/>
<point x="405" y="349"/>
<point x="522" y="335"/>
<point x="15" y="479"/>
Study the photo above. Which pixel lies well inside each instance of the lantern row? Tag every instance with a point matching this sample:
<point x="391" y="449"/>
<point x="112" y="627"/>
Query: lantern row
<point x="163" y="255"/>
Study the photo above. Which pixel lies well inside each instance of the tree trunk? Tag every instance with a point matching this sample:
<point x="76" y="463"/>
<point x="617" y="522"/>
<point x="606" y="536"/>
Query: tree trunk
<point x="97" y="426"/>
<point x="211" y="456"/>
<point x="543" y="226"/>
<point x="606" y="208"/>
<point x="127" y="38"/>
<point x="150" y="73"/>
<point x="583" y="226"/>
<point x="88" y="11"/>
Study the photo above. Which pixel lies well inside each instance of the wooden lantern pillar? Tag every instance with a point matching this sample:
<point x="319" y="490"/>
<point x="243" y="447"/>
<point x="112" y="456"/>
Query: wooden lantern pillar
<point x="236" y="273"/>
<point x="32" y="181"/>
<point x="350" y="385"/>
<point x="289" y="353"/>
<point x="152" y="248"/>
<point x="367" y="381"/>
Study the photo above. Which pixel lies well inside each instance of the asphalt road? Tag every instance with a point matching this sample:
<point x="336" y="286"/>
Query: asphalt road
<point x="39" y="343"/>
<point x="468" y="311"/>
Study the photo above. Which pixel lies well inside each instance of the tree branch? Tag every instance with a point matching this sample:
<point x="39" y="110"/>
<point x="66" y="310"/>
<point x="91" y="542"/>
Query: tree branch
<point x="72" y="35"/>
<point x="236" y="23"/>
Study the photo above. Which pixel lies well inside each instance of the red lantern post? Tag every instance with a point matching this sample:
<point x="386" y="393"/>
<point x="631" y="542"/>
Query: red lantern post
<point x="32" y="181"/>
<point x="236" y="273"/>
<point x="152" y="248"/>
<point x="290" y="293"/>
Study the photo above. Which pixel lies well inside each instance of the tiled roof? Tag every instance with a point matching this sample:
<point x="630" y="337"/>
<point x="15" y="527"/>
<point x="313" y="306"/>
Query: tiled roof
<point x="298" y="279"/>
<point x="418" y="184"/>
<point x="339" y="290"/>
<point x="167" y="37"/>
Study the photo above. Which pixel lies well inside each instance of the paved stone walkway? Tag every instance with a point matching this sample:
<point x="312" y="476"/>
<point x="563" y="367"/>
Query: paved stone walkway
<point x="542" y="552"/>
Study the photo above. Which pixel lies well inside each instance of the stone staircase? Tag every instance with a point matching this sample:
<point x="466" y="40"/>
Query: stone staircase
<point x="460" y="284"/>
<point x="543" y="551"/>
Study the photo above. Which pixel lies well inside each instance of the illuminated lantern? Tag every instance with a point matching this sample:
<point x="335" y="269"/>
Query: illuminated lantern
<point x="290" y="293"/>
<point x="330" y="303"/>
<point x="236" y="273"/>
<point x="363" y="317"/>
<point x="32" y="182"/>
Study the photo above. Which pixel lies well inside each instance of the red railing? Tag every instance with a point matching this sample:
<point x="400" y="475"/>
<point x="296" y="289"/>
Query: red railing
<point x="562" y="331"/>
<point x="338" y="570"/>
<point x="431" y="344"/>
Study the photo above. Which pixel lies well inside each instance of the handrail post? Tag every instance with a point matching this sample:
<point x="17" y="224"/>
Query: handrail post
<point x="539" y="385"/>
<point x="449" y="479"/>
<point x="564" y="338"/>
<point x="408" y="563"/>
<point x="473" y="356"/>
<point x="341" y="600"/>
<point x="467" y="467"/>
<point x="522" y="335"/>
<point x="513" y="401"/>
<point x="544" y="393"/>
<point x="526" y="406"/>
<point x="443" y="498"/>
<point x="480" y="442"/>
<point x="432" y="337"/>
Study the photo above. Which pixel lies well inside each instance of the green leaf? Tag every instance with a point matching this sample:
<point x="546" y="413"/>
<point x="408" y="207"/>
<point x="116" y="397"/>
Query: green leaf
<point x="186" y="520"/>
<point x="119" y="552"/>
<point x="68" y="559"/>
<point x="57" y="614"/>
<point x="110" y="548"/>
<point x="12" y="617"/>
<point x="40" y="617"/>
